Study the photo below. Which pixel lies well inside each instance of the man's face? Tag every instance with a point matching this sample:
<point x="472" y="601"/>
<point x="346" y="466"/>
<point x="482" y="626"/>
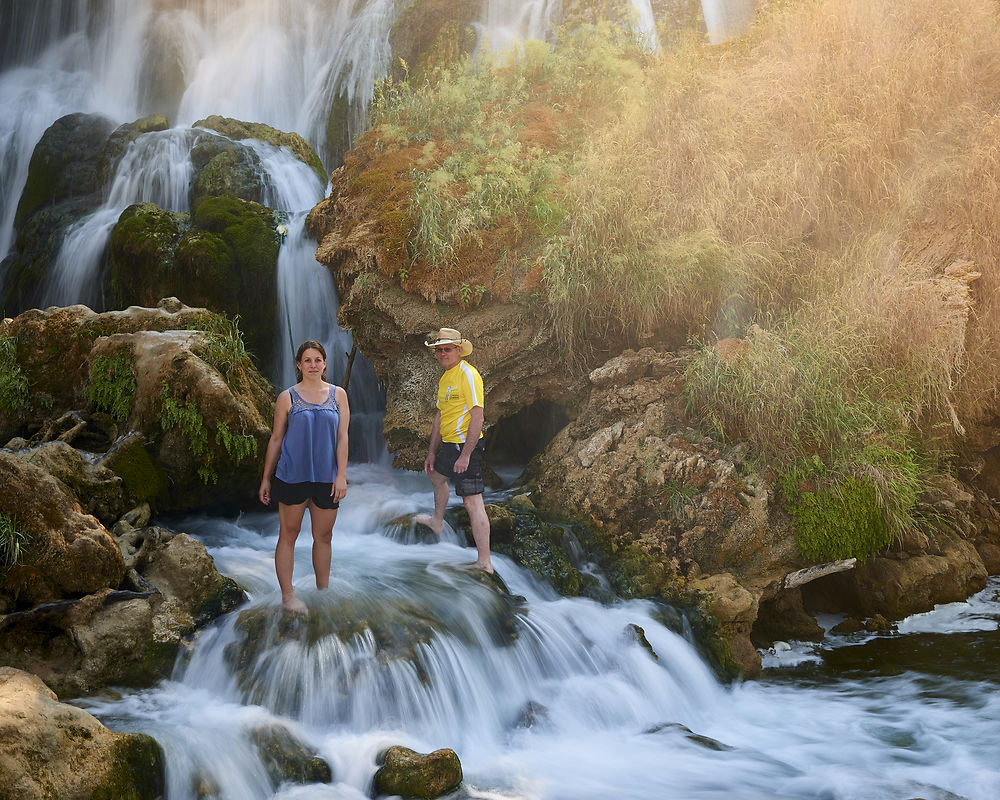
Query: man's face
<point x="448" y="355"/>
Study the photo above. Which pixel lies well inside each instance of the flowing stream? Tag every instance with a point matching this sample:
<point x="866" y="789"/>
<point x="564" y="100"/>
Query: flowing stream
<point x="550" y="698"/>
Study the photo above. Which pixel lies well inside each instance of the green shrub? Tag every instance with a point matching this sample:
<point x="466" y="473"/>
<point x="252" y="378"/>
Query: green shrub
<point x="111" y="386"/>
<point x="14" y="389"/>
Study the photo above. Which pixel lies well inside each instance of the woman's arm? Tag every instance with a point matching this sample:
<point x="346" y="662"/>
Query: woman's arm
<point x="339" y="488"/>
<point x="281" y="407"/>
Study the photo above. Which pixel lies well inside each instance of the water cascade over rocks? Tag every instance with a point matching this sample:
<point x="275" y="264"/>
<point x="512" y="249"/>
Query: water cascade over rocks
<point x="540" y="696"/>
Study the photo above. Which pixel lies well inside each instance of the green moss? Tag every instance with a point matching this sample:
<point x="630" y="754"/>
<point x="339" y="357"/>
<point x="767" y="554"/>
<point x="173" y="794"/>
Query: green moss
<point x="136" y="771"/>
<point x="112" y="386"/>
<point x="143" y="245"/>
<point x="14" y="389"/>
<point x="144" y="479"/>
<point x="207" y="259"/>
<point x="840" y="516"/>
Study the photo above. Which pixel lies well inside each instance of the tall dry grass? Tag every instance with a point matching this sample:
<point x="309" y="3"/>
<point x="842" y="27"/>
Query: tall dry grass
<point x="829" y="182"/>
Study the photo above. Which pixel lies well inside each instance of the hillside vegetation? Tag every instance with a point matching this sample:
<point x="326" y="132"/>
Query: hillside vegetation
<point x="823" y="189"/>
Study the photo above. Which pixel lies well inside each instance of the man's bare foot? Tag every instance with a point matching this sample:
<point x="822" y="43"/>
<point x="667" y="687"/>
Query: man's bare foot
<point x="428" y="522"/>
<point x="293" y="604"/>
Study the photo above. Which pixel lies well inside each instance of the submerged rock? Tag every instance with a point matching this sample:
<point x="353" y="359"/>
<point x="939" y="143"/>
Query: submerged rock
<point x="406" y="773"/>
<point x="49" y="749"/>
<point x="287" y="759"/>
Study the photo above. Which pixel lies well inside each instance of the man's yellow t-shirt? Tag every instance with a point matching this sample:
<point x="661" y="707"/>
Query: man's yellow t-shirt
<point x="459" y="391"/>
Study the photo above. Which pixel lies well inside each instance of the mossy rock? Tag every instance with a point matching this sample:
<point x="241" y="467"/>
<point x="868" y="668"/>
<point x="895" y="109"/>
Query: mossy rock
<point x="64" y="163"/>
<point x="237" y="130"/>
<point x="224" y="256"/>
<point x="137" y="771"/>
<point x="223" y="167"/>
<point x="338" y="130"/>
<point x="144" y="479"/>
<point x="39" y="240"/>
<point x="287" y="759"/>
<point x="122" y="137"/>
<point x="407" y="773"/>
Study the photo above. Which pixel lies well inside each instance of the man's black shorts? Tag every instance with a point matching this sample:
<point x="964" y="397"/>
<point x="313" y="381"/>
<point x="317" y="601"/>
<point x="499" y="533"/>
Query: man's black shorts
<point x="294" y="494"/>
<point x="465" y="483"/>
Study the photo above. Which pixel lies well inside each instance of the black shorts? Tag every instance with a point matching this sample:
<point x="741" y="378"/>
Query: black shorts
<point x="295" y="494"/>
<point x="465" y="483"/>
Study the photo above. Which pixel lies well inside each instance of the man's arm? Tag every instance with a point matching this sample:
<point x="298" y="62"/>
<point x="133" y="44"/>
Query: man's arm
<point x="435" y="444"/>
<point x="476" y="418"/>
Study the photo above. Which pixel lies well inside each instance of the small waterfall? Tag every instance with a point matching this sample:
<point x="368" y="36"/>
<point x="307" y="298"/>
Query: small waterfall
<point x="725" y="19"/>
<point x="155" y="168"/>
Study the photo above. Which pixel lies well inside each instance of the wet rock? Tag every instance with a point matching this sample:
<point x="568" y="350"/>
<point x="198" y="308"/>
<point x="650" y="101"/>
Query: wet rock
<point x="849" y="626"/>
<point x="635" y="633"/>
<point x="878" y="624"/>
<point x="50" y="749"/>
<point x="532" y="714"/>
<point x="238" y="130"/>
<point x="407" y="773"/>
<point x="287" y="759"/>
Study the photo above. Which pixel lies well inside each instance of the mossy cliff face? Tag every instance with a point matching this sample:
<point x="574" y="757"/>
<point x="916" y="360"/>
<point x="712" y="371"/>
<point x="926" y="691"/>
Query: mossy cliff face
<point x="224" y="256"/>
<point x="179" y="377"/>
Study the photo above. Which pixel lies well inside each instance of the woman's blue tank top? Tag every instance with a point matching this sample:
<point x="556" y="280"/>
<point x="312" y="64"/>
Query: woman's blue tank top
<point x="309" y="449"/>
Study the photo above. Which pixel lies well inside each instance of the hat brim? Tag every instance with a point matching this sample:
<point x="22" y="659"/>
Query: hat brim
<point x="465" y="344"/>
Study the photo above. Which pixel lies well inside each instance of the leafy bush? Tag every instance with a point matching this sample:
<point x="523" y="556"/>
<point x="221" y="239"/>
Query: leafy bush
<point x="112" y="386"/>
<point x="14" y="389"/>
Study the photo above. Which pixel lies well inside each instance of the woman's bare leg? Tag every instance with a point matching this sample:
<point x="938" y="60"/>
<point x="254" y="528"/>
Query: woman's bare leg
<point x="323" y="520"/>
<point x="290" y="518"/>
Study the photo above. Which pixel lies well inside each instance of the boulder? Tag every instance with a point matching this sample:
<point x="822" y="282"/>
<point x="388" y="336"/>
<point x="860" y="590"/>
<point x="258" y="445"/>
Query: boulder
<point x="127" y="635"/>
<point x="50" y="749"/>
<point x="238" y="130"/>
<point x="287" y="759"/>
<point x="67" y="553"/>
<point x="175" y="376"/>
<point x="406" y="773"/>
<point x="100" y="490"/>
<point x="223" y="256"/>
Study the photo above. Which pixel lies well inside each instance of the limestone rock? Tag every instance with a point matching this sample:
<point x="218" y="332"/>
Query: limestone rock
<point x="50" y="749"/>
<point x="200" y="406"/>
<point x="97" y="486"/>
<point x="68" y="553"/>
<point x="407" y="773"/>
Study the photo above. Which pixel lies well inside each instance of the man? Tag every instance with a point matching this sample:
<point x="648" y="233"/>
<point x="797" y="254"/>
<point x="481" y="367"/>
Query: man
<point x="458" y="431"/>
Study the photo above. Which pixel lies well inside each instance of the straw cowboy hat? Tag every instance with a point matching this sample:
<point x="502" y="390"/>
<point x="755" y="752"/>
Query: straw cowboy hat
<point x="449" y="336"/>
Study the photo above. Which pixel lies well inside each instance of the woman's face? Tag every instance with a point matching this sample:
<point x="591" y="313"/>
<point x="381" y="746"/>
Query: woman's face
<point x="312" y="363"/>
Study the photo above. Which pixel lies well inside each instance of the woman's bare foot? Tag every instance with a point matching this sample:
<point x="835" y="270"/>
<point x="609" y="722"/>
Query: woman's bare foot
<point x="293" y="604"/>
<point x="484" y="567"/>
<point x="428" y="521"/>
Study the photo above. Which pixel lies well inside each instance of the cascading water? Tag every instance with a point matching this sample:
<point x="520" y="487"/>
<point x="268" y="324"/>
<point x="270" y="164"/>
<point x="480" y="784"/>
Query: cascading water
<point x="545" y="698"/>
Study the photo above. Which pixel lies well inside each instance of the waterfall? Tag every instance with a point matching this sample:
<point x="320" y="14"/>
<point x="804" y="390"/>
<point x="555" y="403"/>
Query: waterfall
<point x="725" y="19"/>
<point x="155" y="168"/>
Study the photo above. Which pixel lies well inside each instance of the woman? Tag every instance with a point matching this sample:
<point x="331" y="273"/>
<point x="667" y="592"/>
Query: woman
<point x="307" y="455"/>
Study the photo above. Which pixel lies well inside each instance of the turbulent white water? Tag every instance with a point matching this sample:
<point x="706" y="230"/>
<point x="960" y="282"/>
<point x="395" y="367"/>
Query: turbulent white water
<point x="608" y="720"/>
